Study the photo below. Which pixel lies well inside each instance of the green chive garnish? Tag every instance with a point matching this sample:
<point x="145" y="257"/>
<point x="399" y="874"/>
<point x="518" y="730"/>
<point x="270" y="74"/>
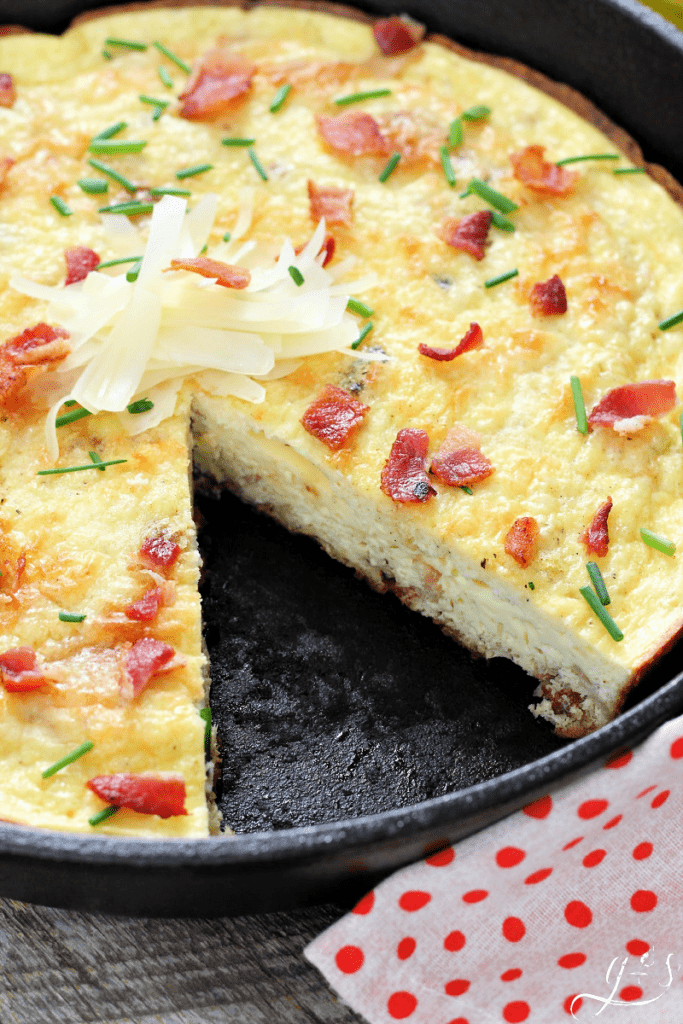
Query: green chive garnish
<point x="108" y="133"/>
<point x="94" y="457"/>
<point x="455" y="133"/>
<point x="142" y="405"/>
<point x="102" y="816"/>
<point x="476" y="113"/>
<point x="238" y="142"/>
<point x="107" y="55"/>
<point x="608" y="622"/>
<point x="357" y="97"/>
<point x="204" y="248"/>
<point x="172" y="57"/>
<point x="114" y="175"/>
<point x="655" y="540"/>
<point x="531" y="586"/>
<point x="71" y="417"/>
<point x="153" y="101"/>
<point x="170" y="192"/>
<point x="629" y="170"/>
<point x="279" y="98"/>
<point x="71" y="617"/>
<point x="131" y="209"/>
<point x="356" y="306"/>
<point x="60" y="206"/>
<point x="447" y="166"/>
<point x="467" y="490"/>
<point x="672" y="321"/>
<point x="70" y="402"/>
<point x="158" y="111"/>
<point x="165" y="77"/>
<point x="501" y="222"/>
<point x="588" y="156"/>
<point x="117" y="263"/>
<point x="189" y="172"/>
<point x="680" y="423"/>
<point x="390" y="167"/>
<point x="93" y="186"/>
<point x="133" y="273"/>
<point x="361" y="337"/>
<point x="296" y="276"/>
<point x="598" y="582"/>
<point x="116" y="147"/>
<point x="127" y="44"/>
<point x="579" y="406"/>
<point x="257" y="164"/>
<point x="79" y="469"/>
<point x="490" y="196"/>
<point x="227" y="236"/>
<point x="70" y="758"/>
<point x="493" y="281"/>
<point x="205" y="715"/>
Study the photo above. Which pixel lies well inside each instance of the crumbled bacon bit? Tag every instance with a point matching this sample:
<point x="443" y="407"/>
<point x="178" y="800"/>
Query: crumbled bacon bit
<point x="6" y="162"/>
<point x="160" y="793"/>
<point x="330" y="202"/>
<point x="160" y="551"/>
<point x="219" y="79"/>
<point x="146" y="608"/>
<point x="522" y="540"/>
<point x="353" y="133"/>
<point x="225" y="274"/>
<point x="548" y="298"/>
<point x="536" y="173"/>
<point x="32" y="352"/>
<point x="469" y="233"/>
<point x="19" y="670"/>
<point x="328" y="247"/>
<point x="396" y="35"/>
<point x="334" y="417"/>
<point x="627" y="409"/>
<point x="404" y="477"/>
<point x="474" y="338"/>
<point x="8" y="93"/>
<point x="79" y="262"/>
<point x="459" y="461"/>
<point x="145" y="658"/>
<point x="596" y="536"/>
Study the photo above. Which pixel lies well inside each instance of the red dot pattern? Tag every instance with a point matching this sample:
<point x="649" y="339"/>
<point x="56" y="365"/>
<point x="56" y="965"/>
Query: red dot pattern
<point x="661" y="798"/>
<point x="513" y="929"/>
<point x="645" y="792"/>
<point x="572" y="960"/>
<point x="406" y="948"/>
<point x="365" y="905"/>
<point x="572" y="1007"/>
<point x="630" y="993"/>
<point x="538" y="876"/>
<point x="613" y="822"/>
<point x="542" y="808"/>
<point x="349" y="959"/>
<point x="642" y="850"/>
<point x="475" y="896"/>
<point x="511" y="975"/>
<point x="454" y="941"/>
<point x="401" y="1004"/>
<point x="643" y="901"/>
<point x="592" y="859"/>
<point x="457" y="987"/>
<point x="636" y="947"/>
<point x="592" y="808"/>
<point x="459" y="1020"/>
<point x="516" y="1012"/>
<point x="414" y="900"/>
<point x="442" y="858"/>
<point x="676" y="749"/>
<point x="578" y="914"/>
<point x="509" y="857"/>
<point x="574" y="842"/>
<point x="619" y="760"/>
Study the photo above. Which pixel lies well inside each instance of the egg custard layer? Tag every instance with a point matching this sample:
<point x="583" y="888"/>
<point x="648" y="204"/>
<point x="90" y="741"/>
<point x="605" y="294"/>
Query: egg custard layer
<point x="499" y="562"/>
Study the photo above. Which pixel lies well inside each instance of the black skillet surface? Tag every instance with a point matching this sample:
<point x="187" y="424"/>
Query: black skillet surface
<point x="356" y="736"/>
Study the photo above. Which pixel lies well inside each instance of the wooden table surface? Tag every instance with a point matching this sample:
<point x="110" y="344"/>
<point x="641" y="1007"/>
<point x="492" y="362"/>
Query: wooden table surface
<point x="63" y="967"/>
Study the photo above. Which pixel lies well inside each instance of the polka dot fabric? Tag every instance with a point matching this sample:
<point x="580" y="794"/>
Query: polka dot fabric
<point x="569" y="908"/>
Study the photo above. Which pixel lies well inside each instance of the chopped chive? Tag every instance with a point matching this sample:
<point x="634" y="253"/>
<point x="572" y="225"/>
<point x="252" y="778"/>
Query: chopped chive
<point x="356" y="306"/>
<point x="362" y="336"/>
<point x="672" y="321"/>
<point x="108" y="133"/>
<point x="142" y="405"/>
<point x="153" y="101"/>
<point x="238" y="142"/>
<point x="204" y="248"/>
<point x="205" y="715"/>
<point x="158" y="111"/>
<point x="604" y="616"/>
<point x="70" y="402"/>
<point x="390" y="167"/>
<point x="279" y="98"/>
<point x="467" y="490"/>
<point x="655" y="540"/>
<point x="71" y="616"/>
<point x="131" y="209"/>
<point x="189" y="172"/>
<point x="531" y="586"/>
<point x="70" y="758"/>
<point x="102" y="815"/>
<point x="127" y="44"/>
<point x="476" y="113"/>
<point x="93" y="186"/>
<point x="598" y="582"/>
<point x="579" y="406"/>
<point x="464" y="195"/>
<point x="680" y="423"/>
<point x="172" y="57"/>
<point x="357" y="97"/>
<point x="165" y="77"/>
<point x="447" y="166"/>
<point x="170" y="192"/>
<point x="94" y="457"/>
<point x="79" y="469"/>
<point x="114" y="175"/>
<point x="296" y="276"/>
<point x="493" y="281"/>
<point x="455" y="133"/>
<point x="116" y="147"/>
<point x="588" y="156"/>
<point x="257" y="164"/>
<point x="107" y="55"/>
<point x="501" y="222"/>
<point x="629" y="170"/>
<point x="71" y="417"/>
<point x="60" y="206"/>
<point x="490" y="196"/>
<point x="227" y="236"/>
<point x="117" y="263"/>
<point x="133" y="273"/>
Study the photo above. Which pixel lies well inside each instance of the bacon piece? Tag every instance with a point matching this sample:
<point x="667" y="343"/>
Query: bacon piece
<point x="19" y="670"/>
<point x="353" y="133"/>
<point x="8" y="93"/>
<point x="404" y="477"/>
<point x="540" y="175"/>
<point x="160" y="551"/>
<point x="459" y="461"/>
<point x="396" y="35"/>
<point x="334" y="204"/>
<point x="147" y="607"/>
<point x="628" y="408"/>
<point x="328" y="247"/>
<point x="596" y="535"/>
<point x="28" y="354"/>
<point x="548" y="298"/>
<point x="219" y="80"/>
<point x="474" y="338"/>
<point x="6" y="162"/>
<point x="469" y="234"/>
<point x="160" y="793"/>
<point x="145" y="658"/>
<point x="522" y="540"/>
<point x="334" y="417"/>
<point x="79" y="262"/>
<point x="225" y="274"/>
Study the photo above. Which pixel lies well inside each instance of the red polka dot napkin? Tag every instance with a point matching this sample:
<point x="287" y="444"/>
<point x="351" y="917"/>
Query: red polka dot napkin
<point x="573" y="907"/>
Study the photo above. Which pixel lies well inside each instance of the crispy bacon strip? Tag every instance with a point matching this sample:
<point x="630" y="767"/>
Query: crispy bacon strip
<point x="540" y="175"/>
<point x="404" y="477"/>
<point x="30" y="353"/>
<point x="469" y="233"/>
<point x="396" y="35"/>
<point x="8" y="93"/>
<point x="334" y="417"/>
<point x="219" y="80"/>
<point x="328" y="247"/>
<point x="146" y="608"/>
<point x="225" y="274"/>
<point x="6" y="162"/>
<point x="474" y="338"/>
<point x="145" y="658"/>
<point x="330" y="202"/>
<point x="19" y="670"/>
<point x="79" y="262"/>
<point x="596" y="535"/>
<point x="548" y="298"/>
<point x="522" y="540"/>
<point x="354" y="134"/>
<point x="160" y="551"/>
<point x="628" y="408"/>
<point x="160" y="793"/>
<point x="459" y="460"/>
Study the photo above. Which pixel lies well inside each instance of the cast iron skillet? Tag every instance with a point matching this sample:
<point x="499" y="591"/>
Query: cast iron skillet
<point x="349" y="751"/>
